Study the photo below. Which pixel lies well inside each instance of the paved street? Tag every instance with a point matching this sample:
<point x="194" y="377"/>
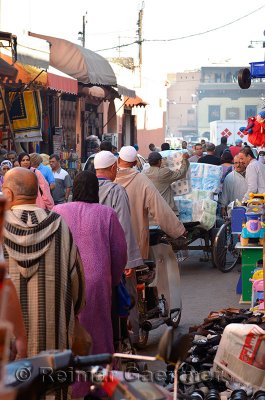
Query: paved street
<point x="204" y="289"/>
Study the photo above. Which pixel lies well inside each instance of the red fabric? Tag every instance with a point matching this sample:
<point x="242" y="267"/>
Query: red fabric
<point x="257" y="136"/>
<point x="234" y="150"/>
<point x="62" y="84"/>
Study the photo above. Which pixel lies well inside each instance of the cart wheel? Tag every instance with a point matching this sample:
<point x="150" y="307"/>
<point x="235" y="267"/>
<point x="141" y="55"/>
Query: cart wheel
<point x="214" y="232"/>
<point x="224" y="252"/>
<point x="244" y="78"/>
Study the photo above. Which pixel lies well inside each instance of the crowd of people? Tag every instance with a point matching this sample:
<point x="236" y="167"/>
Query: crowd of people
<point x="242" y="172"/>
<point x="64" y="258"/>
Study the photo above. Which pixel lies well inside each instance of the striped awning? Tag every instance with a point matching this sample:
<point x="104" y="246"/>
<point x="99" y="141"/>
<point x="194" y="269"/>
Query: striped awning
<point x="61" y="82"/>
<point x="135" y="102"/>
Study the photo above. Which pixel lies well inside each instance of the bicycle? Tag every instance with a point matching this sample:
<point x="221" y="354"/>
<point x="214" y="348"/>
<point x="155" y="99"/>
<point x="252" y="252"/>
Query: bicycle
<point x="225" y="254"/>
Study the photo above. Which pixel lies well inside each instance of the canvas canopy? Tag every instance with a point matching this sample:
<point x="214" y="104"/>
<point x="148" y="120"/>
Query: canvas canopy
<point x="82" y="64"/>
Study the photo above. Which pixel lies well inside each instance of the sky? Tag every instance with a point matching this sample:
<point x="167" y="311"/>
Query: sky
<point x="113" y="23"/>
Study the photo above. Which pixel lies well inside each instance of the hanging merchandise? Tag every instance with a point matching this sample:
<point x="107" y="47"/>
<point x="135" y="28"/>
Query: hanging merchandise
<point x="69" y="161"/>
<point x="26" y="115"/>
<point x="255" y="129"/>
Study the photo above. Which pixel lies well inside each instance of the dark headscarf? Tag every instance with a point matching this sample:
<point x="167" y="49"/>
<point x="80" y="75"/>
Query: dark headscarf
<point x="21" y="156"/>
<point x="85" y="187"/>
<point x="226" y="157"/>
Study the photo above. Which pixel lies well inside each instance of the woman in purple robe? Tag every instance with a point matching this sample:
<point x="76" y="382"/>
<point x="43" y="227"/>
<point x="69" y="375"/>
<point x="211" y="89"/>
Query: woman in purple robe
<point x="102" y="246"/>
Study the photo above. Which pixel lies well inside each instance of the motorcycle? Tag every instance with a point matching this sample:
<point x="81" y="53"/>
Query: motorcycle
<point x="158" y="287"/>
<point x="50" y="370"/>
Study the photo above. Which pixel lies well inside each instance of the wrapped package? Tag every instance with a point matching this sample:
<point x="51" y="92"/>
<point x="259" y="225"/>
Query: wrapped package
<point x="196" y="183"/>
<point x="211" y="184"/>
<point x="173" y="159"/>
<point x="184" y="207"/>
<point x="203" y="194"/>
<point x="241" y="355"/>
<point x="205" y="177"/>
<point x="181" y="187"/>
<point x="204" y="211"/>
<point x="207" y="221"/>
<point x="212" y="171"/>
<point x="192" y="210"/>
<point x="197" y="170"/>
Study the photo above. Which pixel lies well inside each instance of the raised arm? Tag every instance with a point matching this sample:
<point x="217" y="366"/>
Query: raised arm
<point x="163" y="214"/>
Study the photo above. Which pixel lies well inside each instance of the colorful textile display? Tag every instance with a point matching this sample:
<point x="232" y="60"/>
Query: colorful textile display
<point x="26" y="115"/>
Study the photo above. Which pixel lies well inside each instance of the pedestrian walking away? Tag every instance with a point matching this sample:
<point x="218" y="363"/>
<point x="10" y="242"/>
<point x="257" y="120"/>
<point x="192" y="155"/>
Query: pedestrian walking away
<point x="49" y="280"/>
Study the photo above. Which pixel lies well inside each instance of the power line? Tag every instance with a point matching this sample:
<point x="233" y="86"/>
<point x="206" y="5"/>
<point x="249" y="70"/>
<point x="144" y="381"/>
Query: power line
<point x="184" y="37"/>
<point x="209" y="30"/>
<point x="117" y="47"/>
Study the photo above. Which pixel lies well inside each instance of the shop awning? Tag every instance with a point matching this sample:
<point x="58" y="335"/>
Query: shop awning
<point x="124" y="91"/>
<point x="33" y="51"/>
<point x="61" y="82"/>
<point x="27" y="73"/>
<point x="135" y="102"/>
<point x="7" y="70"/>
<point x="82" y="64"/>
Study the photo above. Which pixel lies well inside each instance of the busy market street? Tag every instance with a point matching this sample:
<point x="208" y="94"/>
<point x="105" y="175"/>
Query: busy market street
<point x="132" y="200"/>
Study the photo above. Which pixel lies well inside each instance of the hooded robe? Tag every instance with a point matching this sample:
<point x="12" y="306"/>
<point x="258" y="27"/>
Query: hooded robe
<point x="45" y="266"/>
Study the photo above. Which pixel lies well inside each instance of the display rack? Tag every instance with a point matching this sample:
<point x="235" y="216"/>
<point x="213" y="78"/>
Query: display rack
<point x="250" y="255"/>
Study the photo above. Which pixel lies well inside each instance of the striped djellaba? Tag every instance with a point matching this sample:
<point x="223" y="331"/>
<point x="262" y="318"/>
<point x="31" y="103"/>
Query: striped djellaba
<point x="46" y="269"/>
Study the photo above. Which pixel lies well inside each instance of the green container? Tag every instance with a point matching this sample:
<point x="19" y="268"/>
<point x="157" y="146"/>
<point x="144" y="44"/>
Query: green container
<point x="250" y="257"/>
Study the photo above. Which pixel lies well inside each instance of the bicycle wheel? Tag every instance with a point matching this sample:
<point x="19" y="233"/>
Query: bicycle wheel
<point x="225" y="254"/>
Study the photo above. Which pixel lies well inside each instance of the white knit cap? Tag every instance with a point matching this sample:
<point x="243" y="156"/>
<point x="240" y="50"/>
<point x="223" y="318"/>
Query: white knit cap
<point x="128" y="153"/>
<point x="104" y="159"/>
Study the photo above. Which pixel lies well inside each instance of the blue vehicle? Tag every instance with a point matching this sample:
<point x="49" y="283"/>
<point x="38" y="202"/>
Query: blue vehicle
<point x="256" y="70"/>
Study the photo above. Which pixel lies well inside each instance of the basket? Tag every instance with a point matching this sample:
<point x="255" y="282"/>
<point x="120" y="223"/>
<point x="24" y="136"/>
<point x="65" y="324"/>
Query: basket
<point x="257" y="69"/>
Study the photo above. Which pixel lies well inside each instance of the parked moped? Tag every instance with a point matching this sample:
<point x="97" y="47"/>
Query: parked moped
<point x="158" y="286"/>
<point x="50" y="370"/>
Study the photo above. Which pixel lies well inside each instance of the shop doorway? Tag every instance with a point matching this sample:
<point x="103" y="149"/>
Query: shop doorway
<point x="128" y="128"/>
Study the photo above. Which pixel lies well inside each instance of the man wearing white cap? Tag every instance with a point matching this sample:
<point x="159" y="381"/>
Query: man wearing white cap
<point x="145" y="199"/>
<point x="114" y="195"/>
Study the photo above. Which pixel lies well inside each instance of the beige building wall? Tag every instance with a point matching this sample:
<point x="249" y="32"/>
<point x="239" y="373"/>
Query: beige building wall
<point x="225" y="103"/>
<point x="182" y="103"/>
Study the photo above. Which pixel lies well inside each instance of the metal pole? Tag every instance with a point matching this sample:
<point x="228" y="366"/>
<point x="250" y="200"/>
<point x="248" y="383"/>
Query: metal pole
<point x="2" y="95"/>
<point x="84" y="31"/>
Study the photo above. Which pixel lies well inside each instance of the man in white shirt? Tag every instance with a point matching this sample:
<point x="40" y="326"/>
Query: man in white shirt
<point x="198" y="153"/>
<point x="255" y="172"/>
<point x="234" y="186"/>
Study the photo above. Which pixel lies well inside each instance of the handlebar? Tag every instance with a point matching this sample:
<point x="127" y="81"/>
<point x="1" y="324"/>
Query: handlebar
<point x="89" y="361"/>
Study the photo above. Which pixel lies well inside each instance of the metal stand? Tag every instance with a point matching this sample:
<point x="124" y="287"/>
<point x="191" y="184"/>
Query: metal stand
<point x="6" y="111"/>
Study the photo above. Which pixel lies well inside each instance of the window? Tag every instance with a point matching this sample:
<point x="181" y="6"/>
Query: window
<point x="213" y="113"/>
<point x="217" y="78"/>
<point x="250" y="111"/>
<point x="232" y="113"/>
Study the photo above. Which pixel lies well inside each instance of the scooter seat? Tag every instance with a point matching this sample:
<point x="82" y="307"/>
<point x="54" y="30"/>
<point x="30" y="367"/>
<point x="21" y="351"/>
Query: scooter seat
<point x="145" y="274"/>
<point x="150" y="263"/>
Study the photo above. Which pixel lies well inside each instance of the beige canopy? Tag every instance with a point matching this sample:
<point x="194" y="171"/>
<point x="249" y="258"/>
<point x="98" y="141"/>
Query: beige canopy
<point x="82" y="64"/>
